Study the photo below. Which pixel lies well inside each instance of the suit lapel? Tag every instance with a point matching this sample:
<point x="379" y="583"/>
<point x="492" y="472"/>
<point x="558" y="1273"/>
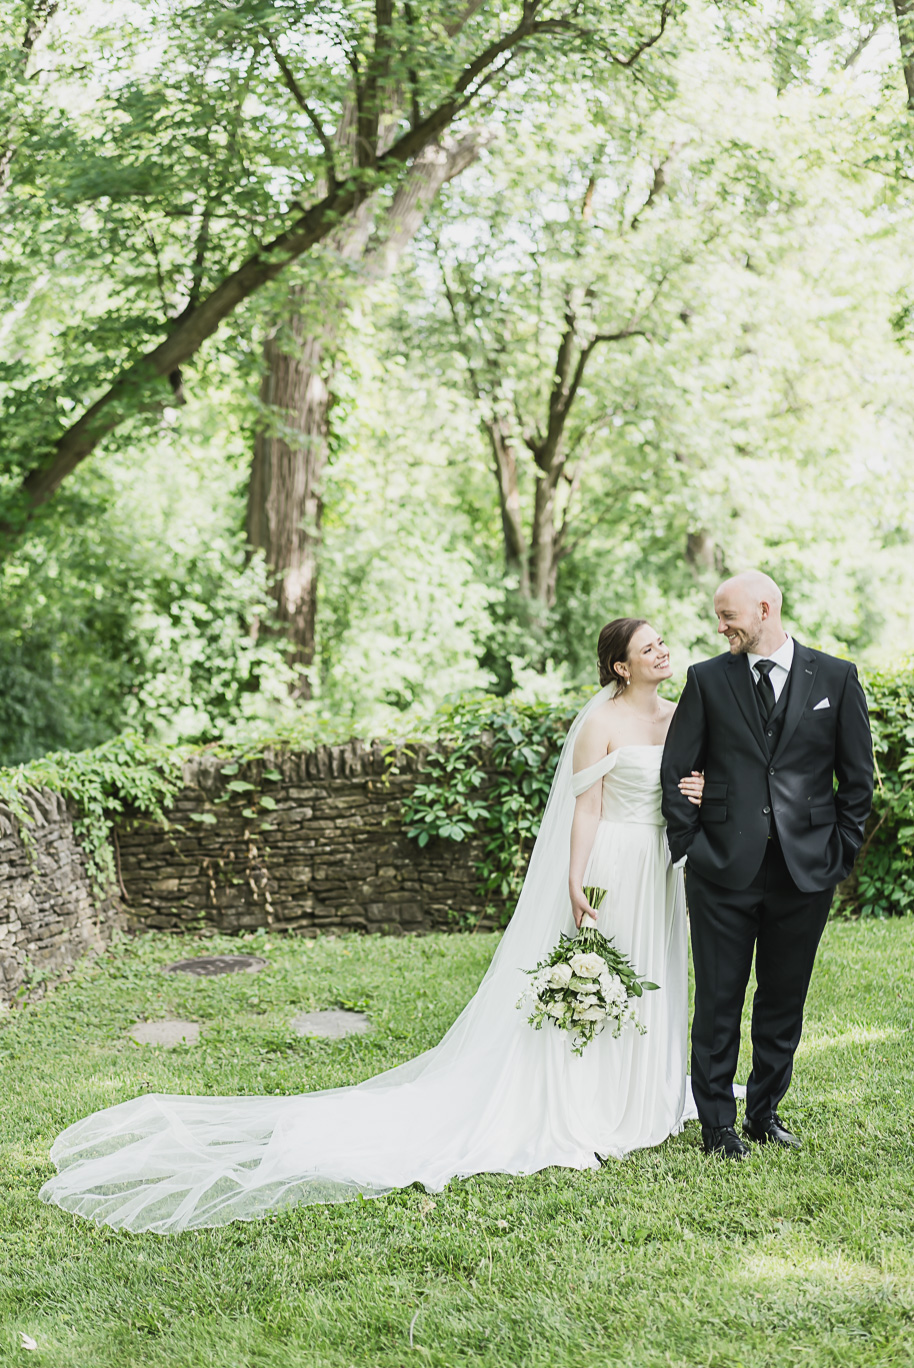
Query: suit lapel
<point x="739" y="677"/>
<point x="799" y="686"/>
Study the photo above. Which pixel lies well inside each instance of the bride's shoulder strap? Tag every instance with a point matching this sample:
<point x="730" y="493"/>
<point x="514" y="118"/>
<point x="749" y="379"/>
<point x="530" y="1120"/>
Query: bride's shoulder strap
<point x="582" y="779"/>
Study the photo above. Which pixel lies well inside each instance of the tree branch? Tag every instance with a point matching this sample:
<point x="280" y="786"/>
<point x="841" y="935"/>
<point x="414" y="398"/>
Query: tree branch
<point x="298" y="96"/>
<point x="463" y="17"/>
<point x="666" y="11"/>
<point x="369" y="121"/>
<point x="658" y="185"/>
<point x="134" y="388"/>
<point x="434" y="167"/>
<point x="860" y="47"/>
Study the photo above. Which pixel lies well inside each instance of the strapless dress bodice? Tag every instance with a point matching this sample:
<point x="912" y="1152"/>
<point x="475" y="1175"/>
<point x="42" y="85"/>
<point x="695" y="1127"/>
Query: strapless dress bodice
<point x="631" y="785"/>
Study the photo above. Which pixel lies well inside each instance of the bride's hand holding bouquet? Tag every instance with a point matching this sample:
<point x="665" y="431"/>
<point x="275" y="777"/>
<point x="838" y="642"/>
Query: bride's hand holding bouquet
<point x="585" y="984"/>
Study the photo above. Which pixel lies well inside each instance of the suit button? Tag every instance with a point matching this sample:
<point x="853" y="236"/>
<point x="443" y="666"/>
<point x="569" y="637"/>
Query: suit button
<point x="766" y="810"/>
<point x="771" y="733"/>
<point x="771" y="771"/>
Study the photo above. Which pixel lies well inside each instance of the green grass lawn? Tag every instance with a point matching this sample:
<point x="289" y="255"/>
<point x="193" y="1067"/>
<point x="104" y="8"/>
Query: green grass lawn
<point x="668" y="1258"/>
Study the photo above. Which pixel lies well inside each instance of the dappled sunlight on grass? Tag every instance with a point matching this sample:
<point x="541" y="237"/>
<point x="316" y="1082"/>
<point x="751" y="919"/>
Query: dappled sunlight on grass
<point x="821" y="1039"/>
<point x="798" y="1259"/>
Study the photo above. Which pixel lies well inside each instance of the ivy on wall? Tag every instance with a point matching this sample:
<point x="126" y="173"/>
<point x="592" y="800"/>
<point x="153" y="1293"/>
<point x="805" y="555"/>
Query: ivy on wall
<point x="101" y="783"/>
<point x="490" y="780"/>
<point x="883" y="883"/>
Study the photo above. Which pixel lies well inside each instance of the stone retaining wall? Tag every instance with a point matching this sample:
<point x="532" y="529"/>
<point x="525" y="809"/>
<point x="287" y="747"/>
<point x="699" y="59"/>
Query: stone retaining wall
<point x="327" y="852"/>
<point x="325" y="849"/>
<point x="48" y="914"/>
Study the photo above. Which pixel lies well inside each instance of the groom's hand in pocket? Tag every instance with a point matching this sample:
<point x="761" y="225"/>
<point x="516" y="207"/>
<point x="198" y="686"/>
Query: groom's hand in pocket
<point x="692" y="787"/>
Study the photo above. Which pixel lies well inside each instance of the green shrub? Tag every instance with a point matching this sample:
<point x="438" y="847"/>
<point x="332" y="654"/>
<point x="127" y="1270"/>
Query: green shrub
<point x="490" y="780"/>
<point x="883" y="882"/>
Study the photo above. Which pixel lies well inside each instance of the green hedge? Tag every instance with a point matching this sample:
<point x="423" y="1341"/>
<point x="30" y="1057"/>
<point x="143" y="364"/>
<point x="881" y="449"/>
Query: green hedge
<point x="883" y="881"/>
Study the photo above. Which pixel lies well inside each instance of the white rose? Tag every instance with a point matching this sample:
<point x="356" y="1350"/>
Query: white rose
<point x="559" y="976"/>
<point x="556" y="1009"/>
<point x="587" y="965"/>
<point x="589" y="1013"/>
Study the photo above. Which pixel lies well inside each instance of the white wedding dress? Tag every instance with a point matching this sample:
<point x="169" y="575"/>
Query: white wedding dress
<point x="494" y="1096"/>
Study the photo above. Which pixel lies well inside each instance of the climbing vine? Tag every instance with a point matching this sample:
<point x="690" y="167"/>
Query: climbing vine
<point x="101" y="783"/>
<point x="490" y="779"/>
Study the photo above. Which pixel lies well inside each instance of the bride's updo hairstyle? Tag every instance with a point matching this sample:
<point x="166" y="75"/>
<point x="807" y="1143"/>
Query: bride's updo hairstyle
<point x="612" y="649"/>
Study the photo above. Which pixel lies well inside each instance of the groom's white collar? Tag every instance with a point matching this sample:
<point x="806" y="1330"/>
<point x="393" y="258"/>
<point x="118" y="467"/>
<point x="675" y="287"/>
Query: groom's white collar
<point x="783" y="656"/>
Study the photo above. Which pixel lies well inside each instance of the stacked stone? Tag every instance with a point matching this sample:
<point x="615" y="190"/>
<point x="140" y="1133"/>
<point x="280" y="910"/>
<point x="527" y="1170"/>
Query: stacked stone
<point x="49" y="915"/>
<point x="331" y="853"/>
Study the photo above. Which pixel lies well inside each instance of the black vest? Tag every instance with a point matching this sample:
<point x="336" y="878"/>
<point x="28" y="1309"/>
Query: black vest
<point x="774" y="725"/>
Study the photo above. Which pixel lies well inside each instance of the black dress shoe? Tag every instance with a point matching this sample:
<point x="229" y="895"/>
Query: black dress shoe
<point x="770" y="1130"/>
<point x="723" y="1140"/>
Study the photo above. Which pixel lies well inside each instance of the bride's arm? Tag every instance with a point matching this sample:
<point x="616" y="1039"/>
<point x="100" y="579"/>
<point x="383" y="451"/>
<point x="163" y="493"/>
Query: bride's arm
<point x="583" y="831"/>
<point x="590" y="747"/>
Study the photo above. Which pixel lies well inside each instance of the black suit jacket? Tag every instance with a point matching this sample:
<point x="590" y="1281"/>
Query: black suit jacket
<point x="718" y="728"/>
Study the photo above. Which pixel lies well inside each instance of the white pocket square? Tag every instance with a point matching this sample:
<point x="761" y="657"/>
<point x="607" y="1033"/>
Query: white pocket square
<point x="824" y="704"/>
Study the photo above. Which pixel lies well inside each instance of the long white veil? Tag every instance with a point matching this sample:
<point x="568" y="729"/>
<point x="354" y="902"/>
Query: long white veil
<point x="492" y="1096"/>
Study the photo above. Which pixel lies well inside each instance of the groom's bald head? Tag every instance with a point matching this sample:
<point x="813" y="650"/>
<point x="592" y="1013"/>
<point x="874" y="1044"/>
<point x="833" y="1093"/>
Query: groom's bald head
<point x="754" y="585"/>
<point x="748" y="608"/>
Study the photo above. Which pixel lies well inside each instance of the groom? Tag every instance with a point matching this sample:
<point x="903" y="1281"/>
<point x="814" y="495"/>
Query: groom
<point x="772" y="724"/>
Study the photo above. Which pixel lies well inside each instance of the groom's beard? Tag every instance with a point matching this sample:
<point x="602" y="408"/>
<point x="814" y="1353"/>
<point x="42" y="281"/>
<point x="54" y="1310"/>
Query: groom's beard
<point x="745" y="642"/>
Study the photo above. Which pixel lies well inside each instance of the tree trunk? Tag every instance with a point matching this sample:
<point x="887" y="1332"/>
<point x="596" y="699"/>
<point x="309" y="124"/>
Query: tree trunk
<point x="904" y="15"/>
<point x="284" y="492"/>
<point x="544" y="549"/>
<point x="284" y="502"/>
<point x="702" y="552"/>
<point x="504" y="459"/>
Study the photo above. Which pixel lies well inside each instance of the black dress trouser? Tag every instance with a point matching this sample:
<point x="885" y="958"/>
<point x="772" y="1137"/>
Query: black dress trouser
<point x="784" y="927"/>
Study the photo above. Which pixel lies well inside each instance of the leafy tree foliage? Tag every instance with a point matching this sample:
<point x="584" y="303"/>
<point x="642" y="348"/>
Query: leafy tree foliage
<point x="729" y="213"/>
<point x="185" y="153"/>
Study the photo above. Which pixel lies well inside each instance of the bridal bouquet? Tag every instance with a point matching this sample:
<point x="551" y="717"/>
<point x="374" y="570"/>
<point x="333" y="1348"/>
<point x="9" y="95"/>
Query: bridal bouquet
<point x="584" y="985"/>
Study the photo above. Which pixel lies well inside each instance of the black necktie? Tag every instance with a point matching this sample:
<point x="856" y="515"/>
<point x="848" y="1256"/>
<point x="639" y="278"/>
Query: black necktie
<point x="765" y="686"/>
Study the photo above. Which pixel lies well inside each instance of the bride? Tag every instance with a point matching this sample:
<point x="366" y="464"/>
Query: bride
<point x="494" y="1095"/>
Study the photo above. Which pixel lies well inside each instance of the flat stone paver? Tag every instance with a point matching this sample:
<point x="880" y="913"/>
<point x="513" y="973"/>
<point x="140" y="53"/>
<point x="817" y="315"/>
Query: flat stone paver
<point x="167" y="1033"/>
<point x="333" y="1024"/>
<point x="207" y="966"/>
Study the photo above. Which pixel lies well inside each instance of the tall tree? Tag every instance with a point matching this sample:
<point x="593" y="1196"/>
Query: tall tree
<point x="904" y="17"/>
<point x="566" y="269"/>
<point x="296" y="394"/>
<point x="269" y="187"/>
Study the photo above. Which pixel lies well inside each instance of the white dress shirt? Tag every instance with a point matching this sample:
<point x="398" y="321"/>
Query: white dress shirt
<point x="782" y="658"/>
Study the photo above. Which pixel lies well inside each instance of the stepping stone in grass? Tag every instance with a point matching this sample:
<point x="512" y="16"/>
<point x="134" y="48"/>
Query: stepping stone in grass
<point x="333" y="1024"/>
<point x="210" y="965"/>
<point x="167" y="1033"/>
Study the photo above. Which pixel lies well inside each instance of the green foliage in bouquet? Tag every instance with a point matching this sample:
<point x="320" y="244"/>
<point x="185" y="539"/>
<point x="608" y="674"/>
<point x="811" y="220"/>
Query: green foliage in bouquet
<point x="584" y="985"/>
